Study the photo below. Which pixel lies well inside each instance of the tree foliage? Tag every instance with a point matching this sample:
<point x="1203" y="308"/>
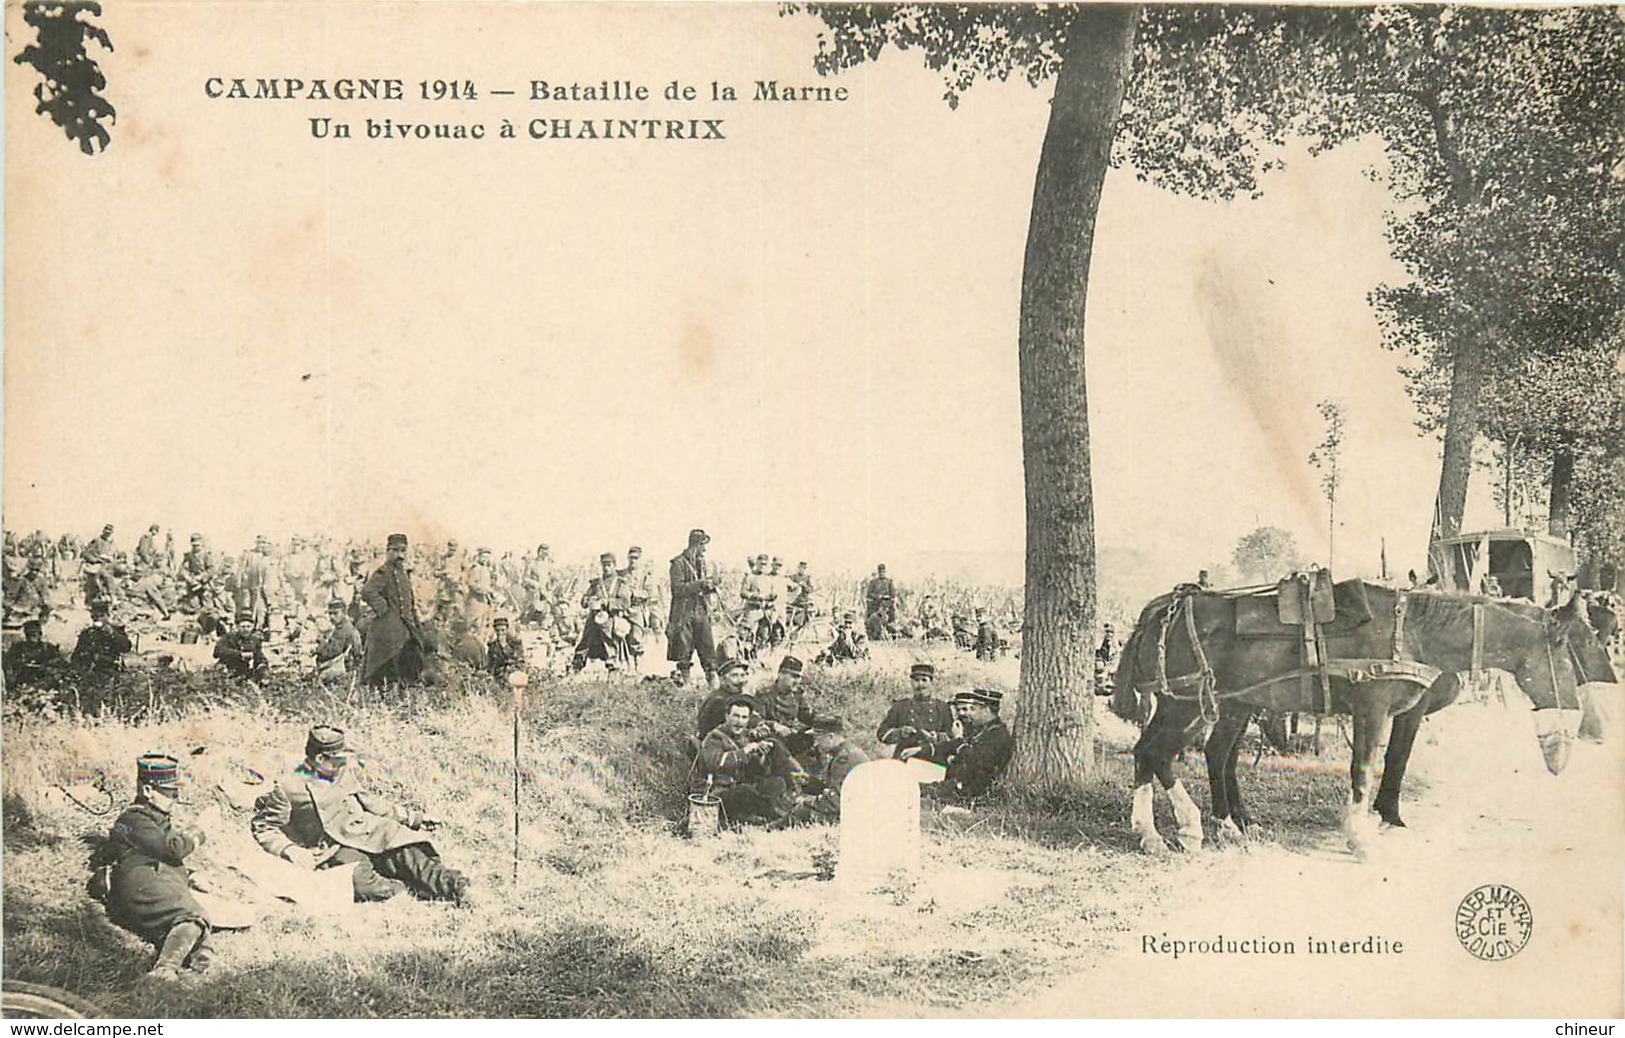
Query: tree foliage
<point x="72" y="79"/>
<point x="1266" y="555"/>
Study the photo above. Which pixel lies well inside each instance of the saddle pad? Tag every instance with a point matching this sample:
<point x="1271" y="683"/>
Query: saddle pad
<point x="1353" y="609"/>
<point x="1258" y="616"/>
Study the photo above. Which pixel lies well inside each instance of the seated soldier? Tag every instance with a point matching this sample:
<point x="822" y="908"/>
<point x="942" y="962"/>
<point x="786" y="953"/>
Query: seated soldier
<point x="465" y="646"/>
<point x="506" y="653"/>
<point x="977" y="748"/>
<point x="849" y="643"/>
<point x="99" y="654"/>
<point x="33" y="661"/>
<point x="918" y="720"/>
<point x="242" y="651"/>
<point x="837" y="756"/>
<point x="26" y="596"/>
<point x="730" y="686"/>
<point x="320" y="816"/>
<point x="782" y="705"/>
<point x="340" y="653"/>
<point x="149" y="890"/>
<point x="751" y="775"/>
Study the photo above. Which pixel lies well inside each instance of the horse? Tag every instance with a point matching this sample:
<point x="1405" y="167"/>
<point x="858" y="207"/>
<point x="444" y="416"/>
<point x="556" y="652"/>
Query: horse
<point x="1380" y="657"/>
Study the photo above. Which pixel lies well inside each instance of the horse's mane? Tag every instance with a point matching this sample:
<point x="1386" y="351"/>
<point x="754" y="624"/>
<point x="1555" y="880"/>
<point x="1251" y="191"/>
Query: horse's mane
<point x="1444" y="608"/>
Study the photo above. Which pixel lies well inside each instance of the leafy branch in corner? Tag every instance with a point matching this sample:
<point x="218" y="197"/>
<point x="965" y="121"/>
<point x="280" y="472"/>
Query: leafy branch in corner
<point x="72" y="79"/>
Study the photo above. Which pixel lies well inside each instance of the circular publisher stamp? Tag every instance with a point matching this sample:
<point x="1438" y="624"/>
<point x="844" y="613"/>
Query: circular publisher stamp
<point x="1494" y="922"/>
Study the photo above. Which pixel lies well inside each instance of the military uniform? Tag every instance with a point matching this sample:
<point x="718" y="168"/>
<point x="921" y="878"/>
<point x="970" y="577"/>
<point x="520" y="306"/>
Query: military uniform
<point x="394" y="644"/>
<point x="100" y="650"/>
<point x="750" y="784"/>
<point x="880" y="596"/>
<point x="800" y="590"/>
<point x="973" y="761"/>
<point x="605" y="594"/>
<point x="831" y="775"/>
<point x="987" y="640"/>
<point x="242" y="653"/>
<point x="688" y="628"/>
<point x="39" y="664"/>
<point x="505" y="654"/>
<point x="26" y="597"/>
<point x="341" y="651"/>
<point x="343" y="823"/>
<point x="931" y="719"/>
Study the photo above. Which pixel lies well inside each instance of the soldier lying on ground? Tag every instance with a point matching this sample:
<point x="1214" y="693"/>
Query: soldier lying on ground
<point x="320" y="816"/>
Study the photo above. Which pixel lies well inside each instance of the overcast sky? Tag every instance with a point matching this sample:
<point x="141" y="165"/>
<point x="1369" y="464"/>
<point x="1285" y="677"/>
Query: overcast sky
<point x="801" y="338"/>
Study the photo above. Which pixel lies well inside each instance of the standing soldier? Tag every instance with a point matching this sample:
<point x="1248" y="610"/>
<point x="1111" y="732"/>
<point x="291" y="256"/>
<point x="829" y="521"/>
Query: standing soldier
<point x="506" y="653"/>
<point x="800" y="593"/>
<point x="688" y="628"/>
<point x="97" y="562"/>
<point x="987" y="637"/>
<point x="880" y="597"/>
<point x="340" y="653"/>
<point x="538" y="581"/>
<point x="777" y="599"/>
<point x="605" y="603"/>
<point x="637" y="584"/>
<point x="481" y="581"/>
<point x="394" y="650"/>
<point x="253" y="592"/>
<point x="753" y="596"/>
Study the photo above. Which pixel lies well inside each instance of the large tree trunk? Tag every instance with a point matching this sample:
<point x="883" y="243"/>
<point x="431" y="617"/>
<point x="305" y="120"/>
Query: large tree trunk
<point x="1557" y="516"/>
<point x="1055" y="732"/>
<point x="1460" y="432"/>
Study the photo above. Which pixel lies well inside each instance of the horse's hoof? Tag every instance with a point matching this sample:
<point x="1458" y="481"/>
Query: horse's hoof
<point x="1155" y="846"/>
<point x="1191" y="843"/>
<point x="1229" y="832"/>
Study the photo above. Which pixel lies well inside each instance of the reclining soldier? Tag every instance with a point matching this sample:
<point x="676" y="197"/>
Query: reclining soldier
<point x="320" y="816"/>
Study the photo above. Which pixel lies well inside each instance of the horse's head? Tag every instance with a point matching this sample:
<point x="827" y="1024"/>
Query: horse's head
<point x="1590" y="656"/>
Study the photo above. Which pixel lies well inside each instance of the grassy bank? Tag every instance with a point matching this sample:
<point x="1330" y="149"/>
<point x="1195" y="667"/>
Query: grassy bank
<point x="614" y="913"/>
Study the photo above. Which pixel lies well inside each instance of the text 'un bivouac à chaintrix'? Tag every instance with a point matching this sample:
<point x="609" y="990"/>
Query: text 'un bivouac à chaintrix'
<point x="542" y="109"/>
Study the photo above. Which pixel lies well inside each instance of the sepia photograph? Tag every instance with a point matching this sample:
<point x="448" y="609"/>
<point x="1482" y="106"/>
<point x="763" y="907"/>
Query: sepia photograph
<point x="812" y="511"/>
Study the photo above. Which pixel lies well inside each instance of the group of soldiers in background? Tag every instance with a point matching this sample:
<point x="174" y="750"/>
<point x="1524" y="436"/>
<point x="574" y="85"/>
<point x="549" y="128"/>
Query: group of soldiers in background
<point x="333" y="611"/>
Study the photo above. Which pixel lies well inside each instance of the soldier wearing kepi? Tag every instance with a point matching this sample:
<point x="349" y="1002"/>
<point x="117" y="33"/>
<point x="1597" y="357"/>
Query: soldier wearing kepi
<point x="340" y="653"/>
<point x="605" y="603"/>
<point x="394" y="650"/>
<point x="637" y="583"/>
<point x="33" y="661"/>
<point x="918" y="720"/>
<point x="750" y="775"/>
<point x="977" y="748"/>
<point x="242" y="651"/>
<point x="506" y="653"/>
<point x="688" y="629"/>
<point x="320" y="816"/>
<point x="99" y="654"/>
<point x="149" y="891"/>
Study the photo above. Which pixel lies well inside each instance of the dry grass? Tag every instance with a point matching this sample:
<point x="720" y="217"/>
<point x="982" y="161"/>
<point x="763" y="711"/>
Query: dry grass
<point x="614" y="914"/>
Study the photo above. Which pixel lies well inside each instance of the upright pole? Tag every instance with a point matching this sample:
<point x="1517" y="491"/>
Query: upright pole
<point x="517" y="681"/>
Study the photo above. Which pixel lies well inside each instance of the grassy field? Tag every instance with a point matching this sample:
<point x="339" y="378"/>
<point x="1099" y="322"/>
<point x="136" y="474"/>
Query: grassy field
<point x="614" y="913"/>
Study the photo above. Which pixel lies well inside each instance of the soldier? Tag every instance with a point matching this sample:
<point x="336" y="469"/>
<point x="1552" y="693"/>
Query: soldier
<point x="637" y="583"/>
<point x="987" y="637"/>
<point x="1103" y="660"/>
<point x="148" y="553"/>
<point x="604" y="602"/>
<point x="918" y="720"/>
<point x="481" y="580"/>
<point x="837" y="757"/>
<point x="254" y="577"/>
<point x="506" y="653"/>
<point x="321" y="816"/>
<point x="783" y="707"/>
<point x="538" y="583"/>
<point x="242" y="651"/>
<point x="754" y="594"/>
<point x="394" y="647"/>
<point x="750" y="775"/>
<point x="199" y="580"/>
<point x="849" y="643"/>
<point x="152" y="573"/>
<point x="98" y="563"/>
<point x="33" y="661"/>
<point x="688" y="629"/>
<point x="977" y="748"/>
<point x="730" y="688"/>
<point x="148" y="890"/>
<point x="777" y="600"/>
<point x="98" y="655"/>
<point x="800" y="592"/>
<point x="449" y="586"/>
<point x="26" y="597"/>
<point x="880" y="596"/>
<point x="341" y="651"/>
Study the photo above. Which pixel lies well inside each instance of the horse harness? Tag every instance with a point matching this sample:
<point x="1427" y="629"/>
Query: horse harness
<point x="1319" y="668"/>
